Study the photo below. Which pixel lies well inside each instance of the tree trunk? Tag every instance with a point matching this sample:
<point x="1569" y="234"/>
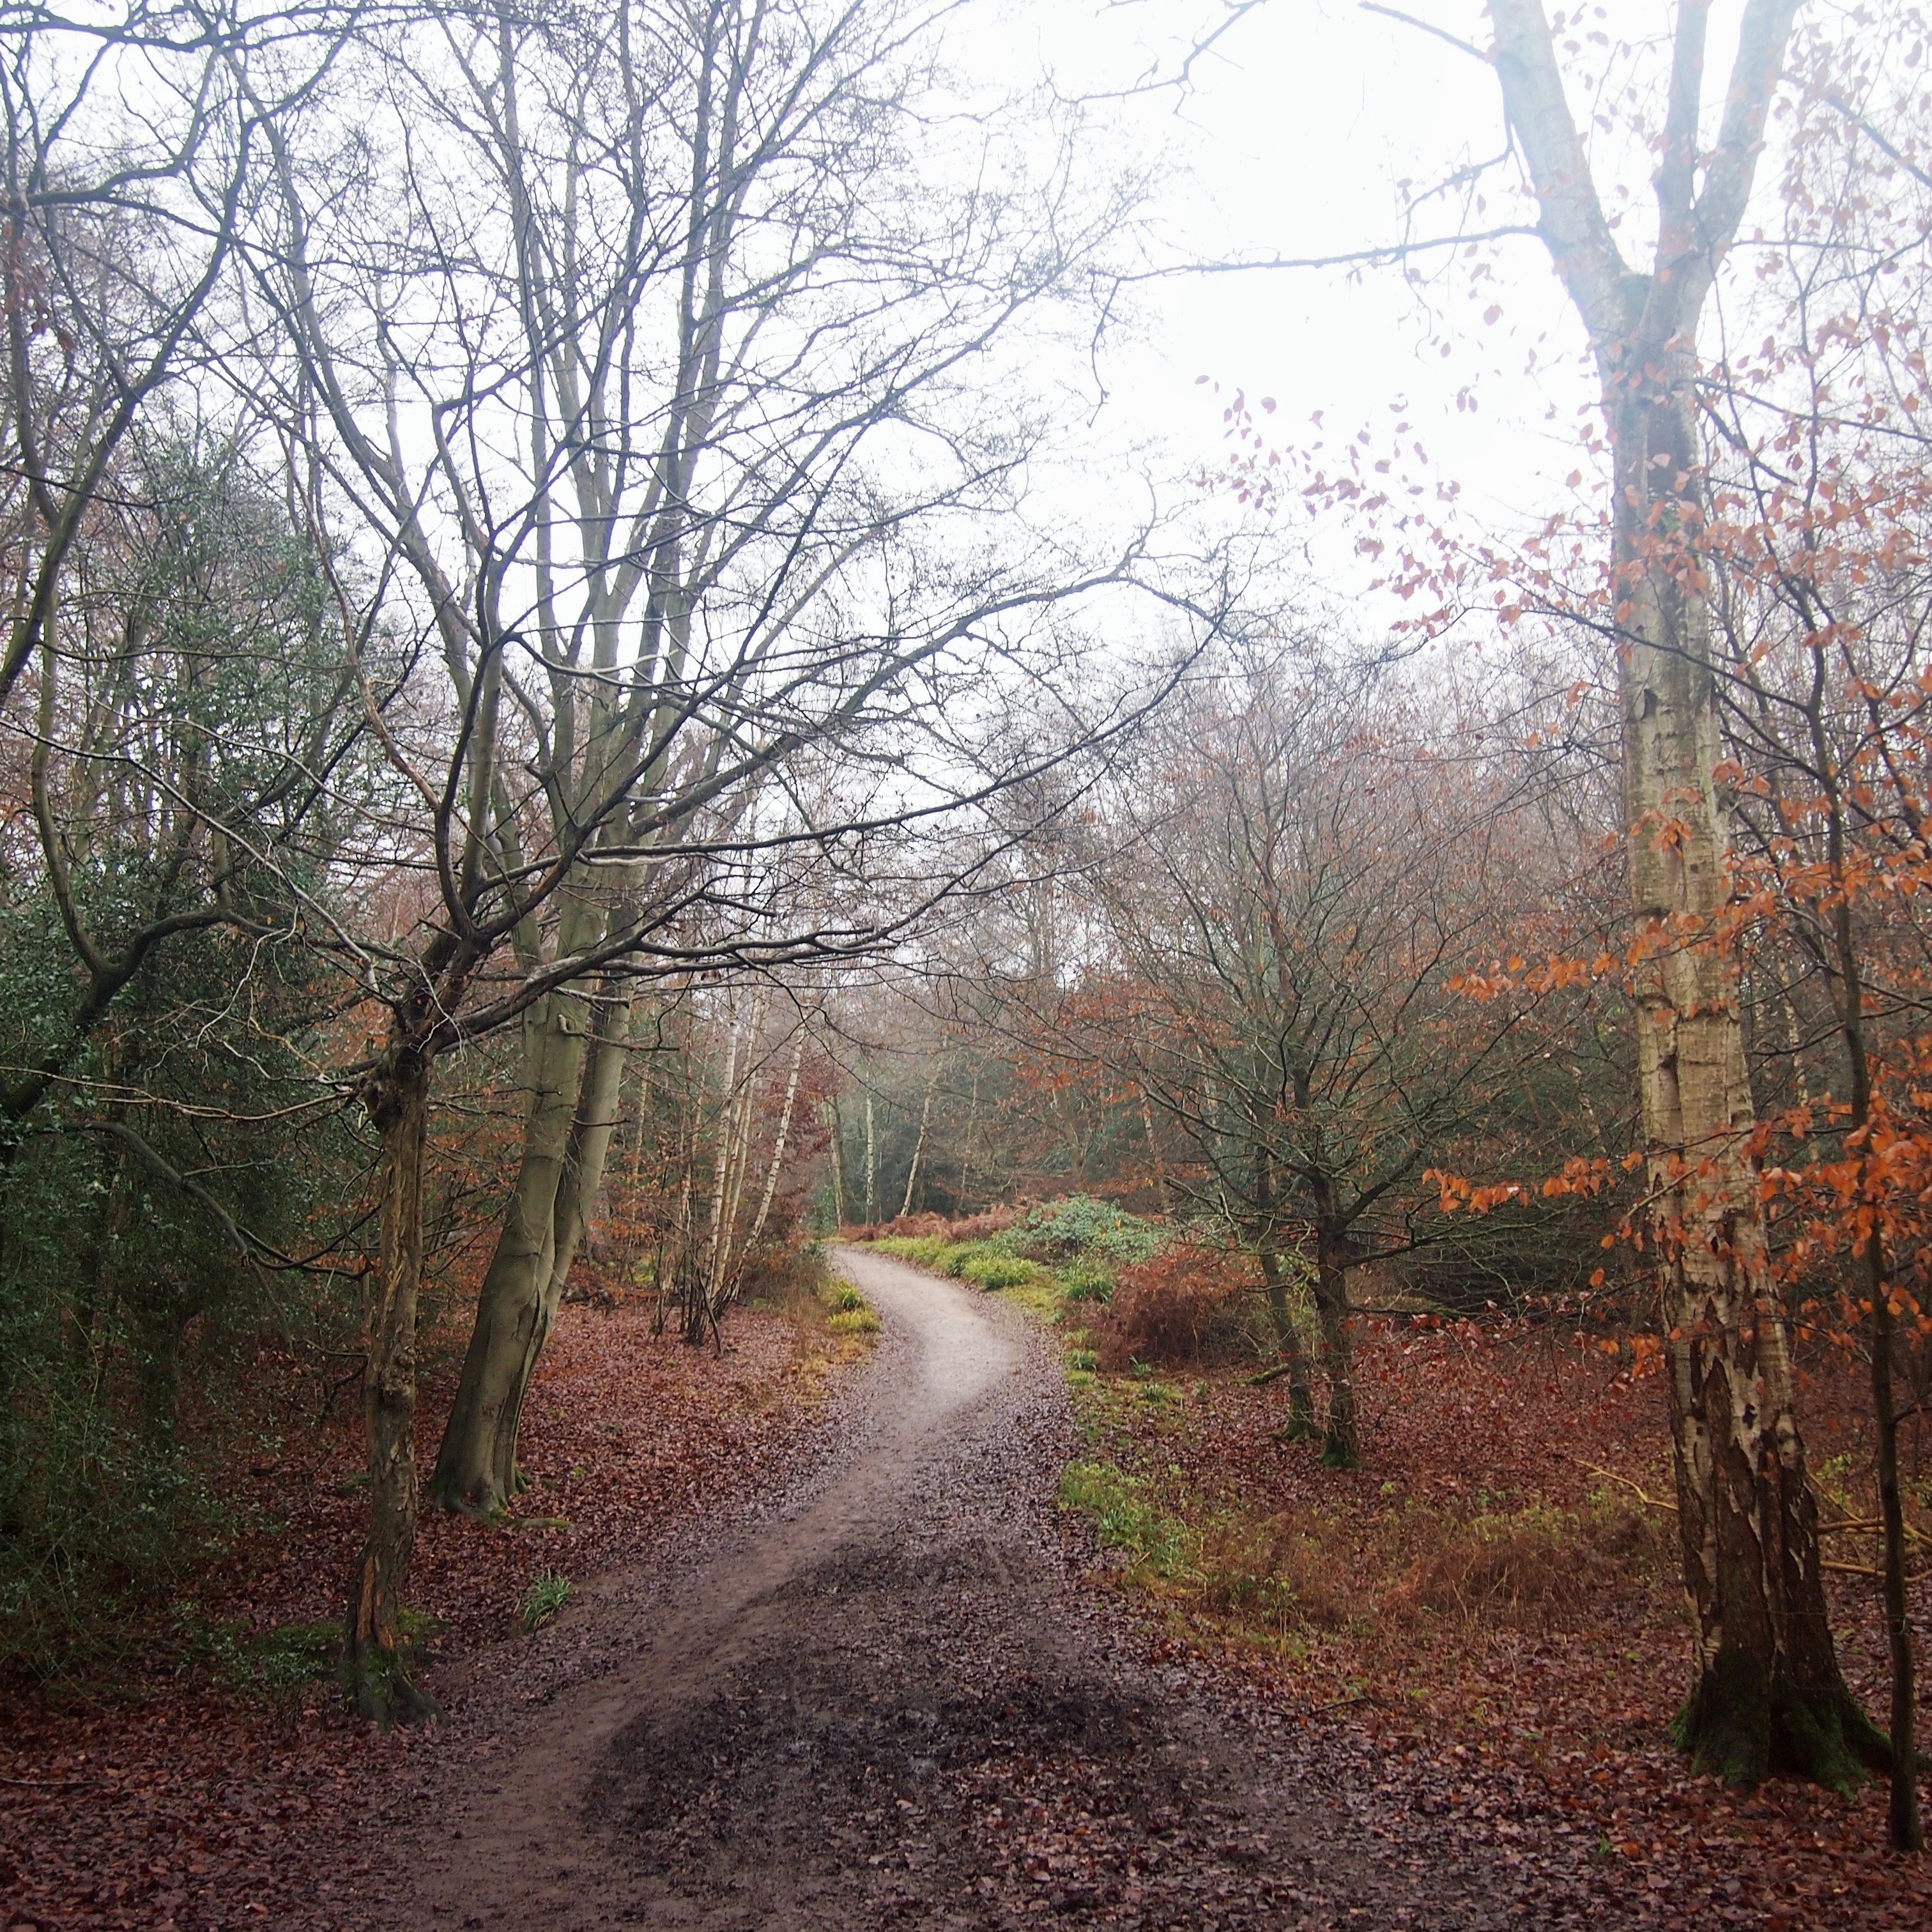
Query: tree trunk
<point x="476" y="1467"/>
<point x="778" y="1144"/>
<point x="161" y="1312"/>
<point x="1342" y="1444"/>
<point x="919" y="1148"/>
<point x="1153" y="1156"/>
<point x="1906" y="1827"/>
<point x="871" y="1161"/>
<point x="375" y="1656"/>
<point x="838" y="1168"/>
<point x="964" y="1200"/>
<point x="1766" y="1693"/>
<point x="590" y="1133"/>
<point x="1288" y="1336"/>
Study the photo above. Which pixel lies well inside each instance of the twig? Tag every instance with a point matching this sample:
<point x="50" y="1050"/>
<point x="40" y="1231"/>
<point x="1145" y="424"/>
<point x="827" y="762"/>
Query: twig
<point x="1863" y="1523"/>
<point x="1340" y="1703"/>
<point x="1475" y="53"/>
<point x="1857" y="1569"/>
<point x="1642" y="1495"/>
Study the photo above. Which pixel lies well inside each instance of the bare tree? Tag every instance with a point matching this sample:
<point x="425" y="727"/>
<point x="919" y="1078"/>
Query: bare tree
<point x="131" y="141"/>
<point x="1303" y="869"/>
<point x="669" y="461"/>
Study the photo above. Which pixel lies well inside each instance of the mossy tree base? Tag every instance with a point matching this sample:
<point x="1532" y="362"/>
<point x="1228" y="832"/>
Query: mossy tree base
<point x="1736" y="1727"/>
<point x="387" y="1701"/>
<point x="382" y="1692"/>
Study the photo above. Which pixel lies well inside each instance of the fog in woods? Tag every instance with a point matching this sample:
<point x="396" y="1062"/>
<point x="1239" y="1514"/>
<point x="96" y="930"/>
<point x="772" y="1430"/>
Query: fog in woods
<point x="972" y="956"/>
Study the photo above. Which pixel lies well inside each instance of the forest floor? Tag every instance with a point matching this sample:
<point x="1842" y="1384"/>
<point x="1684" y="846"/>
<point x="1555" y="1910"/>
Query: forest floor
<point x="215" y="1780"/>
<point x="852" y="1661"/>
<point x="1492" y="1603"/>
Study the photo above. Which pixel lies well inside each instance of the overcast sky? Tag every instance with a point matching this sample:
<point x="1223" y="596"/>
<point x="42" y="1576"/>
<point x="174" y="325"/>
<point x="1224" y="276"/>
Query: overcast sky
<point x="1291" y="140"/>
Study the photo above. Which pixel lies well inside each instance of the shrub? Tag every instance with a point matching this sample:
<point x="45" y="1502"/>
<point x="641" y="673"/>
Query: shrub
<point x="1168" y="1310"/>
<point x="781" y="1271"/>
<point x="1080" y="1225"/>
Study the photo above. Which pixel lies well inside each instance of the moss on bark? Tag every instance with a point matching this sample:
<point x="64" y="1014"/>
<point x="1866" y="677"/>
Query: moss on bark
<point x="1737" y="1725"/>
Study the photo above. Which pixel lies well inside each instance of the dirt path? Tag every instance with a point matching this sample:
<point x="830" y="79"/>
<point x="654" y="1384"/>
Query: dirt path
<point x="889" y="1701"/>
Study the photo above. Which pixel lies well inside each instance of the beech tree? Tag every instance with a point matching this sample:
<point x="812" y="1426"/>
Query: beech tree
<point x="1817" y="551"/>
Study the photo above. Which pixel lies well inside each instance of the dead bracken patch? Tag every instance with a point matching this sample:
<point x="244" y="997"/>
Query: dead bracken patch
<point x="1535" y="1568"/>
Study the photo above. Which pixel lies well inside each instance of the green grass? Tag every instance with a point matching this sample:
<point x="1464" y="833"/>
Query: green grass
<point x="851" y="1312"/>
<point x="1126" y="1516"/>
<point x="987" y="1265"/>
<point x="928" y="1251"/>
<point x="546" y="1595"/>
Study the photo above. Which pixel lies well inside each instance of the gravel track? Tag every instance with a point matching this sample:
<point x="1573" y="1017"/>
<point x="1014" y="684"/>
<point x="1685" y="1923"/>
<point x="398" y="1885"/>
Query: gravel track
<point x="889" y="1700"/>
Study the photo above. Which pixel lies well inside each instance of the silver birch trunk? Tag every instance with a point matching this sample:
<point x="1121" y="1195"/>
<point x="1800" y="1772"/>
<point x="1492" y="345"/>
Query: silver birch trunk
<point x="1766" y="1693"/>
<point x="871" y="1161"/>
<point x="919" y="1148"/>
<point x="779" y="1145"/>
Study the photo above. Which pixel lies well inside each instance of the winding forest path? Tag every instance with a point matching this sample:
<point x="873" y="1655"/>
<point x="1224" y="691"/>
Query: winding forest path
<point x="889" y="1702"/>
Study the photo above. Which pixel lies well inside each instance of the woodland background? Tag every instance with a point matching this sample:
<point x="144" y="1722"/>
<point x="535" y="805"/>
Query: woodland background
<point x="564" y="745"/>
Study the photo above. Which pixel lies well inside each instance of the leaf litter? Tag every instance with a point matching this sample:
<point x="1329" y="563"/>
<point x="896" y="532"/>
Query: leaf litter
<point x="1477" y="1764"/>
<point x="203" y="1793"/>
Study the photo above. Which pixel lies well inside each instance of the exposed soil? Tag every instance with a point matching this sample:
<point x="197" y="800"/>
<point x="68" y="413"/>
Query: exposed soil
<point x="879" y="1685"/>
<point x="892" y="1702"/>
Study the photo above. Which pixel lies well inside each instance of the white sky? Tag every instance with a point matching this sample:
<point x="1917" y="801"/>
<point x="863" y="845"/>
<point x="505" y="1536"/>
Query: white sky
<point x="1291" y="141"/>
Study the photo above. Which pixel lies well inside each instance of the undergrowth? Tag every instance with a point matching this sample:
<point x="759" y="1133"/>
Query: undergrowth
<point x="1357" y="1564"/>
<point x="549" y="1592"/>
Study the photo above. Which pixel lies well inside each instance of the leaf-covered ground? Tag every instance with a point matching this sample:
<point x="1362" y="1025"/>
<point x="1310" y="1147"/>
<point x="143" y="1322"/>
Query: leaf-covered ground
<point x="1500" y="1611"/>
<point x="221" y="1785"/>
<point x="1477" y="1637"/>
